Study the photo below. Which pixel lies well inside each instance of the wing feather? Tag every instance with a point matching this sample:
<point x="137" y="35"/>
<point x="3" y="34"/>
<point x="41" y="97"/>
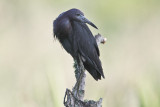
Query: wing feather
<point x="87" y="46"/>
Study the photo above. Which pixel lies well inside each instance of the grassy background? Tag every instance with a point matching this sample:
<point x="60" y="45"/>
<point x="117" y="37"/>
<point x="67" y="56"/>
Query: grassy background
<point x="35" y="70"/>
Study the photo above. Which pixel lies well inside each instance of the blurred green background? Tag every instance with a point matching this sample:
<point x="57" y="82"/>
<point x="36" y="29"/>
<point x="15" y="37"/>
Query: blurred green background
<point x="35" y="70"/>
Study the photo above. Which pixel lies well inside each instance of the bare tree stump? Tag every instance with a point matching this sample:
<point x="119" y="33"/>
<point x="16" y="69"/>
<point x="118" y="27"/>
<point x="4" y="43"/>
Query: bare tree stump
<point x="75" y="97"/>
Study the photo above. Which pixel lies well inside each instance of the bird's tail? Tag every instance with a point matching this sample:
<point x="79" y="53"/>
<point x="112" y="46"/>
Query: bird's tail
<point x="95" y="74"/>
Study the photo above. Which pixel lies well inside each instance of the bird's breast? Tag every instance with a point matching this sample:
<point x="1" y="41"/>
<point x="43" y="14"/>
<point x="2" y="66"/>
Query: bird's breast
<point x="66" y="27"/>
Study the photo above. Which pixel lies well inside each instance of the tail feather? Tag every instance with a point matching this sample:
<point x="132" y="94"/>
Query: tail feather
<point x="95" y="74"/>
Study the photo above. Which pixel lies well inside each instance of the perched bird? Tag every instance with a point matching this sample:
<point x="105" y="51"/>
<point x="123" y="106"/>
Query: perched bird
<point x="76" y="38"/>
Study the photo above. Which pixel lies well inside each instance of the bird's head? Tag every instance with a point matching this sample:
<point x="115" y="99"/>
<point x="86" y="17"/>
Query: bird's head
<point x="77" y="15"/>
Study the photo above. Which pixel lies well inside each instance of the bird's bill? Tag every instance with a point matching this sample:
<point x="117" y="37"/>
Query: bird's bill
<point x="85" y="20"/>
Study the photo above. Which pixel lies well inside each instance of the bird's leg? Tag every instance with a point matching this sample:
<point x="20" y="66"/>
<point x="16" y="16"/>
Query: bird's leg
<point x="78" y="89"/>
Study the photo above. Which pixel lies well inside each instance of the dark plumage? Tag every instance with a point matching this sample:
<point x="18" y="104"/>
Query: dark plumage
<point x="72" y="32"/>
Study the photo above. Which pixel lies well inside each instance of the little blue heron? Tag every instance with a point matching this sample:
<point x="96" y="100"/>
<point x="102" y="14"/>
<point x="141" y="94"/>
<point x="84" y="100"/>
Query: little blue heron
<point x="76" y="38"/>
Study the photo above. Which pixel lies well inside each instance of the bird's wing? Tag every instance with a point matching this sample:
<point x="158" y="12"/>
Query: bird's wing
<point x="86" y="45"/>
<point x="84" y="36"/>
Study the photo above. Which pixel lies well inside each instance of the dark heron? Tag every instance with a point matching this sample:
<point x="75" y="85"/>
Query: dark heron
<point x="76" y="38"/>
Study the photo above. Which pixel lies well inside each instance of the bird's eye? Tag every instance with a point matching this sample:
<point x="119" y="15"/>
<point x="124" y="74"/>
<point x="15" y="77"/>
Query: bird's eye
<point x="78" y="14"/>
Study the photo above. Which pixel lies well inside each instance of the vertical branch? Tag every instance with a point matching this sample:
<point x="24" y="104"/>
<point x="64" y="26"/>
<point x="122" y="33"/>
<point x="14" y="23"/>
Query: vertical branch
<point x="78" y="89"/>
